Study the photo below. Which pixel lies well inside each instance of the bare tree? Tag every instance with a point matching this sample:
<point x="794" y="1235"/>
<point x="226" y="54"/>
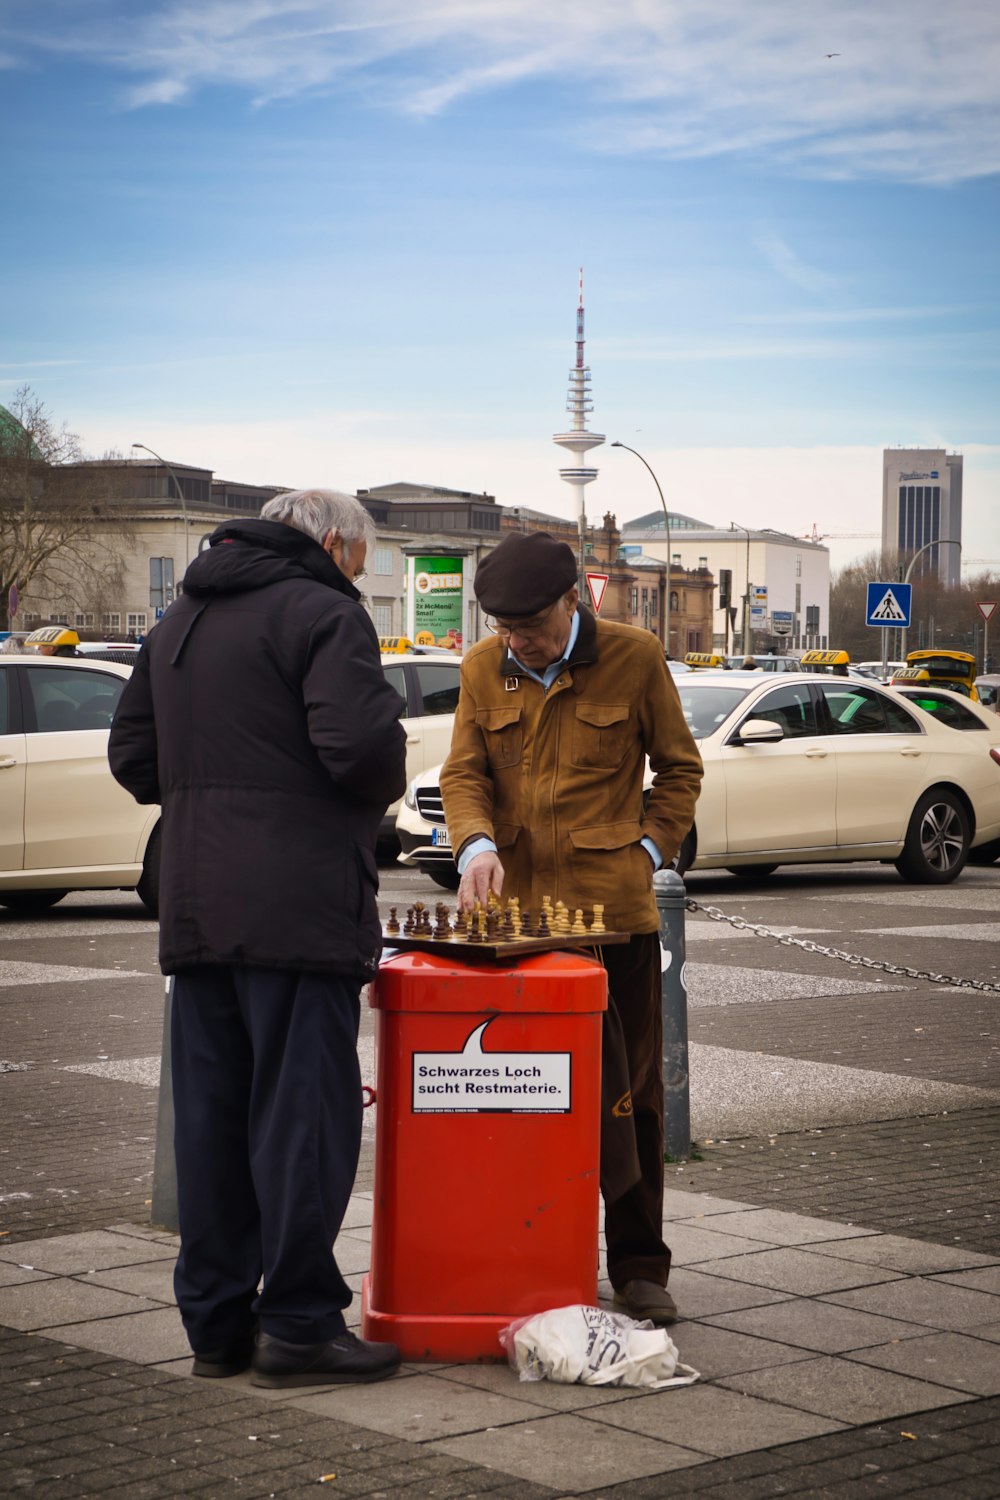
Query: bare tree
<point x="62" y="525"/>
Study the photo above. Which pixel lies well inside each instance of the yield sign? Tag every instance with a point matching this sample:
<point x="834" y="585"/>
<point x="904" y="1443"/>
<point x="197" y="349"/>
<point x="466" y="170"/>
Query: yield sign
<point x="986" y="610"/>
<point x="597" y="583"/>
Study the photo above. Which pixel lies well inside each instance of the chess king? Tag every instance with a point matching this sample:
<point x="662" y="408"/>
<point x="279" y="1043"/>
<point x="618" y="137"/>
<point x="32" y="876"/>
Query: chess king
<point x="543" y="792"/>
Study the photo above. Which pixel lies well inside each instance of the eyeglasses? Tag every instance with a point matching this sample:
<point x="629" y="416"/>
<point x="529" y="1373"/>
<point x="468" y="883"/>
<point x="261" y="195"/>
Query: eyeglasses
<point x="359" y="575"/>
<point x="527" y="630"/>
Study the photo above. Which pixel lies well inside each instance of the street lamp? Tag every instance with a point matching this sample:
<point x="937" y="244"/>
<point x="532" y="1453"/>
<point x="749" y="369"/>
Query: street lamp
<point x="944" y="541"/>
<point x="180" y="496"/>
<point x="666" y="522"/>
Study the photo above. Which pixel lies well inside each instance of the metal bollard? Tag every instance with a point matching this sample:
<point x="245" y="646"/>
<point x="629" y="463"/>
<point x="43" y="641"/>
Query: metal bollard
<point x="164" y="1207"/>
<point x="668" y="888"/>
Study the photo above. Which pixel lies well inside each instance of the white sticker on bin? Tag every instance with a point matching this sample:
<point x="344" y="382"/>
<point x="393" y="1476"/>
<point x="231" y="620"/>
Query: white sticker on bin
<point x="476" y="1082"/>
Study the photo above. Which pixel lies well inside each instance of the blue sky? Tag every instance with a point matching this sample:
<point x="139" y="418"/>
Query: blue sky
<point x="338" y="243"/>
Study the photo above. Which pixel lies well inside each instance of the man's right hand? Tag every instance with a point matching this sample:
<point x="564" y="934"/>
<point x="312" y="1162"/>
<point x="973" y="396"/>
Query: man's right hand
<point x="482" y="875"/>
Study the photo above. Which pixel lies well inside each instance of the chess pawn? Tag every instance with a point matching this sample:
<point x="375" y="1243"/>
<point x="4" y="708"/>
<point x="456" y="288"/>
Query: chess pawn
<point x="579" y="928"/>
<point x="442" y="926"/>
<point x="507" y="925"/>
<point x="493" y="923"/>
<point x="561" y="923"/>
<point x="408" y="924"/>
<point x="392" y="926"/>
<point x="514" y="907"/>
<point x="597" y="925"/>
<point x="543" y="929"/>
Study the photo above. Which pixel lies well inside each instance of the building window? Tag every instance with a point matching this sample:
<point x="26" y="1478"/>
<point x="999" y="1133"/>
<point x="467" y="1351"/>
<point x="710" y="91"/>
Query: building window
<point x="84" y="622"/>
<point x="798" y="598"/>
<point x="798" y="567"/>
<point x="111" y="623"/>
<point x="634" y="600"/>
<point x="674" y="599"/>
<point x="383" y="561"/>
<point x="382" y="617"/>
<point x="137" y="624"/>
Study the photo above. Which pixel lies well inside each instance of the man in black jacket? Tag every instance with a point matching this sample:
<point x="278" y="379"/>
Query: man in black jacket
<point x="258" y="716"/>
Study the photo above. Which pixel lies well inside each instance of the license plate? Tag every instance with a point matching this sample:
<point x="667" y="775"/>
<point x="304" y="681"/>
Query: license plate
<point x="440" y="839"/>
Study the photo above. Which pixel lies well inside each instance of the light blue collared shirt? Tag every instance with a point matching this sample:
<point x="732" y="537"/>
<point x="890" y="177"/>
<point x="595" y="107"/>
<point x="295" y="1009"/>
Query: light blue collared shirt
<point x="546" y="678"/>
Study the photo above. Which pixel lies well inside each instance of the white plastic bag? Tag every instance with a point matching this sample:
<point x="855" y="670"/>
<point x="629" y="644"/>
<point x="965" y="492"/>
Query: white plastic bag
<point x="582" y="1345"/>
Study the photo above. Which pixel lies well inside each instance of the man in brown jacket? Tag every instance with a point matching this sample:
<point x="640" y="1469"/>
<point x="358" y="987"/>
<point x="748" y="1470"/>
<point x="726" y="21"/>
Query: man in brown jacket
<point x="543" y="794"/>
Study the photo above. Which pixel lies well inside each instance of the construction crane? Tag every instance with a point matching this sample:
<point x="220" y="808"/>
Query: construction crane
<point x="839" y="536"/>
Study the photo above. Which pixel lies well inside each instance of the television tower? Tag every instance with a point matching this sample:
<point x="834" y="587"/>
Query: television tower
<point x="578" y="440"/>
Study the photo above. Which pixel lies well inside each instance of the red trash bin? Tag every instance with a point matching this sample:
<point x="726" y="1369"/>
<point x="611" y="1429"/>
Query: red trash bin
<point x="487" y="1148"/>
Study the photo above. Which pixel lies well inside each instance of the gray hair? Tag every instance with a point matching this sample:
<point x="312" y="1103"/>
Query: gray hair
<point x="318" y="512"/>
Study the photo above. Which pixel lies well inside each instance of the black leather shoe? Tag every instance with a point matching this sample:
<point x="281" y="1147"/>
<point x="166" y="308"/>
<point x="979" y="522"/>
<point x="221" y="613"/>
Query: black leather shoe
<point x="217" y="1364"/>
<point x="340" y="1361"/>
<point x="646" y="1299"/>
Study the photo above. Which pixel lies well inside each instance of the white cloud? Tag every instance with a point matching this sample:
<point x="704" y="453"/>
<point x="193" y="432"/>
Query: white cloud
<point x="783" y="259"/>
<point x="912" y="94"/>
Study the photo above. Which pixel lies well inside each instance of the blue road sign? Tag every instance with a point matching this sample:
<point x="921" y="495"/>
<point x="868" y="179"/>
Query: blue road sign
<point x="889" y="605"/>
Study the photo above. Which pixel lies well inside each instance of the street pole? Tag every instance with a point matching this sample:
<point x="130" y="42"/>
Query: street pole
<point x="733" y="526"/>
<point x="666" y="523"/>
<point x="180" y="496"/>
<point x="941" y="542"/>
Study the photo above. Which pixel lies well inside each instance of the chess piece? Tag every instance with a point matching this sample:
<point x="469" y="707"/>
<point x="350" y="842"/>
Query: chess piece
<point x="514" y="907"/>
<point x="493" y="924"/>
<point x="408" y="924"/>
<point x="543" y="929"/>
<point x="442" y="925"/>
<point x="507" y="926"/>
<point x="392" y="926"/>
<point x="597" y="925"/>
<point x="578" y="929"/>
<point x="561" y="924"/>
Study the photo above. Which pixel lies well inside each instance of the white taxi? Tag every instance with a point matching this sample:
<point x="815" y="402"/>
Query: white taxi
<point x="806" y="769"/>
<point x="65" y="823"/>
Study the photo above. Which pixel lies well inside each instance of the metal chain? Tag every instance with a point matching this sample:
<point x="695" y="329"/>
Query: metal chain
<point x="759" y="930"/>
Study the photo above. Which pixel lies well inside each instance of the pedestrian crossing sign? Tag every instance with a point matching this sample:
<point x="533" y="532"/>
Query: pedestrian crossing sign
<point x="889" y="605"/>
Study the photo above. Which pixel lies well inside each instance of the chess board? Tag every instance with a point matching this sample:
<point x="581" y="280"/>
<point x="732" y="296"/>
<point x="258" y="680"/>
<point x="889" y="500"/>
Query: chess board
<point x="493" y="950"/>
<point x="500" y="932"/>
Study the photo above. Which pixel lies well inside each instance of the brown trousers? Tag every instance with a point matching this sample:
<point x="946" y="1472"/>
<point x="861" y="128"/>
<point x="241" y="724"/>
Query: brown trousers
<point x="633" y="1218"/>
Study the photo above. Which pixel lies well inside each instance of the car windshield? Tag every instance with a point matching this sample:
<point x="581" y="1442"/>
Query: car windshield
<point x="706" y="705"/>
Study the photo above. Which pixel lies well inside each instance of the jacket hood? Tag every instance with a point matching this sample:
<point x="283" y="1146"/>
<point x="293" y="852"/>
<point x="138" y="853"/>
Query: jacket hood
<point x="247" y="555"/>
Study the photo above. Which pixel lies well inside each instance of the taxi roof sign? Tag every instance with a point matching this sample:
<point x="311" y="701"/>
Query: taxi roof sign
<point x="702" y="659"/>
<point x="824" y="659"/>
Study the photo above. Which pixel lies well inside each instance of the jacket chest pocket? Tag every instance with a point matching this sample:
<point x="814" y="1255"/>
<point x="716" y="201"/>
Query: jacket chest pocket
<point x="503" y="735"/>
<point x="601" y="734"/>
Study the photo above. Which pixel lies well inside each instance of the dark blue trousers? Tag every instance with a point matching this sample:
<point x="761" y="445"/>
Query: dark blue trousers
<point x="267" y="1109"/>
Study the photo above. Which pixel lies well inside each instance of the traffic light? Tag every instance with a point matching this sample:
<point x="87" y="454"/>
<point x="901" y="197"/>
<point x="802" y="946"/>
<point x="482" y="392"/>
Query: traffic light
<point x="725" y="587"/>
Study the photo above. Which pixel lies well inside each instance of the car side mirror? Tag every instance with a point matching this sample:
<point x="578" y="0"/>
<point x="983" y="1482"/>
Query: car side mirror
<point x="760" y="732"/>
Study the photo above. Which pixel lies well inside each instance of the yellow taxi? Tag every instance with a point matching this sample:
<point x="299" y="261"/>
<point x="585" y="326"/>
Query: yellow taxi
<point x="955" y="670"/>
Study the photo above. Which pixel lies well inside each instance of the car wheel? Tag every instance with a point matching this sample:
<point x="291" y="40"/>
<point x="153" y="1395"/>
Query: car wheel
<point x="30" y="901"/>
<point x="148" y="889"/>
<point x="446" y="876"/>
<point x="684" y="858"/>
<point x="751" y="872"/>
<point x="986" y="854"/>
<point x="937" y="840"/>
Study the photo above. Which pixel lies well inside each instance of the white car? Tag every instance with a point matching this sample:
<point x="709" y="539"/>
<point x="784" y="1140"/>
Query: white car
<point x="428" y="682"/>
<point x="807" y="769"/>
<point x="65" y="823"/>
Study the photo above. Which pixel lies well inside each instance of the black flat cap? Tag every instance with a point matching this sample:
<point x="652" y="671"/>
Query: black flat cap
<point x="525" y="574"/>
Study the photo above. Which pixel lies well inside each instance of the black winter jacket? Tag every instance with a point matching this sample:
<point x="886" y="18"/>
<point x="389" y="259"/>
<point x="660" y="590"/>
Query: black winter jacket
<point x="257" y="715"/>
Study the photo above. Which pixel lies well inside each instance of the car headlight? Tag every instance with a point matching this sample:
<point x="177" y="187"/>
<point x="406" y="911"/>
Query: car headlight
<point x="411" y="795"/>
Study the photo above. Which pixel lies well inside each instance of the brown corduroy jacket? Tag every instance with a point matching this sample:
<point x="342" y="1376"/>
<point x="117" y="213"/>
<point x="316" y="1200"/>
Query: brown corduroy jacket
<point x="556" y="778"/>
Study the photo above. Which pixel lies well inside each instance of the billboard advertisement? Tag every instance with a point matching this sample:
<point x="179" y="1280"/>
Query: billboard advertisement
<point x="437" y="599"/>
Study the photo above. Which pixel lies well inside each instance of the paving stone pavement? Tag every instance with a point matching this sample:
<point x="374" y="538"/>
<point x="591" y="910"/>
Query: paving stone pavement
<point x="835" y="1361"/>
<point x="839" y="1282"/>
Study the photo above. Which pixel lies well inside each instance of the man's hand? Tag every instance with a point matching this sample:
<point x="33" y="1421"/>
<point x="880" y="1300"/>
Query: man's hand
<point x="482" y="875"/>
